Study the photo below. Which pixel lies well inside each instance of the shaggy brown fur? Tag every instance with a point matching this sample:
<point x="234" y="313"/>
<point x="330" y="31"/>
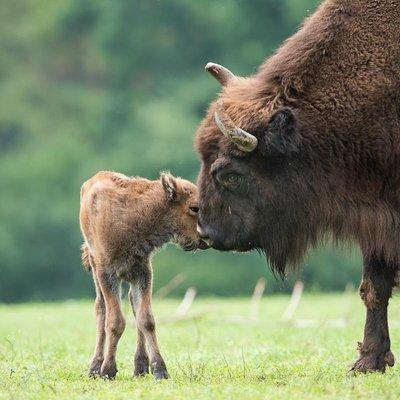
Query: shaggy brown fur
<point x="123" y="220"/>
<point x="326" y="112"/>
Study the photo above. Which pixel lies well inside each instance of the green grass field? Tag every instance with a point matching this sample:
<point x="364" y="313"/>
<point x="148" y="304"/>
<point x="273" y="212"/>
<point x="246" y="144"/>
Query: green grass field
<point x="45" y="350"/>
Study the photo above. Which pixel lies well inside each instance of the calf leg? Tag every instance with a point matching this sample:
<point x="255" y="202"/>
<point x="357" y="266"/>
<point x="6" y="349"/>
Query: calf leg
<point x="141" y="294"/>
<point x="375" y="290"/>
<point x="142" y="361"/>
<point x="114" y="323"/>
<point x="100" y="309"/>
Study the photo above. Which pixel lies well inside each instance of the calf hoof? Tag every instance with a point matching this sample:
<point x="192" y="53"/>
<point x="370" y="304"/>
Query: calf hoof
<point x="159" y="370"/>
<point x="141" y="367"/>
<point x="95" y="368"/>
<point x="374" y="362"/>
<point x="108" y="371"/>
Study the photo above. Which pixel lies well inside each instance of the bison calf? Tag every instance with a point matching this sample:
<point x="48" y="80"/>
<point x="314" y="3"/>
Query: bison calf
<point x="123" y="220"/>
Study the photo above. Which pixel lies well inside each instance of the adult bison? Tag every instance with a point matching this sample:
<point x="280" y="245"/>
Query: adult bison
<point x="308" y="148"/>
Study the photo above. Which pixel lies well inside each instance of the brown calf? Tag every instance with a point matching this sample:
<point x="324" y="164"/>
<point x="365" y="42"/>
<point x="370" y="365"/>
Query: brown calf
<point x="123" y="220"/>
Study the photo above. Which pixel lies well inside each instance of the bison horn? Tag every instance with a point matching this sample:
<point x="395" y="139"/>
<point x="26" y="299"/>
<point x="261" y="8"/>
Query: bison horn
<point x="243" y="140"/>
<point x="220" y="73"/>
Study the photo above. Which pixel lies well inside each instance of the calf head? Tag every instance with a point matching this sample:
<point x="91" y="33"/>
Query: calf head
<point x="183" y="209"/>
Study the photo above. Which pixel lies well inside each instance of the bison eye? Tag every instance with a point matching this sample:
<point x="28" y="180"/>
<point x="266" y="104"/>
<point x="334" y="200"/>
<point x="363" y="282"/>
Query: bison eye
<point x="232" y="179"/>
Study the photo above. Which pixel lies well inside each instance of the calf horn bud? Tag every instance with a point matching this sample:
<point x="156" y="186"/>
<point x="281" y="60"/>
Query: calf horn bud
<point x="243" y="140"/>
<point x="220" y="73"/>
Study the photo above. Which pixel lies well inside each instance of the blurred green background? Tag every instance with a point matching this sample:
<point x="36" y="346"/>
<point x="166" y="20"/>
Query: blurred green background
<point x="87" y="85"/>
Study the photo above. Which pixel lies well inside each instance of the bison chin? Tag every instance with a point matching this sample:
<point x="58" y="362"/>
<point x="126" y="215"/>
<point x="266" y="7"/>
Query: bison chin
<point x="238" y="248"/>
<point x="222" y="242"/>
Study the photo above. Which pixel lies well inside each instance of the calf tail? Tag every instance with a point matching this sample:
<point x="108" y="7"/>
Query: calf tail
<point x="85" y="256"/>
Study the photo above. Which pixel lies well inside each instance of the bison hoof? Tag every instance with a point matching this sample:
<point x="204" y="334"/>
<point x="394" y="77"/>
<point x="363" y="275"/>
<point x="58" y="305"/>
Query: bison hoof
<point x="94" y="373"/>
<point x="95" y="368"/>
<point x="161" y="374"/>
<point x="108" y="371"/>
<point x="141" y="367"/>
<point x="159" y="370"/>
<point x="373" y="362"/>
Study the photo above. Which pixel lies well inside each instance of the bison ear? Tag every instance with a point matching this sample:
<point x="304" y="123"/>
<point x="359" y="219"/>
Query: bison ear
<point x="281" y="135"/>
<point x="169" y="186"/>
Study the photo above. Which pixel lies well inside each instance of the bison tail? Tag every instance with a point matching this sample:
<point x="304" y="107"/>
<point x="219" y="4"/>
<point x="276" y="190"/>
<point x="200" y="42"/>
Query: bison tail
<point x="86" y="257"/>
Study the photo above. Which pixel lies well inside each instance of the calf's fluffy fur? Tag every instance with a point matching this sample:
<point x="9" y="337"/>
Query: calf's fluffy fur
<point x="123" y="220"/>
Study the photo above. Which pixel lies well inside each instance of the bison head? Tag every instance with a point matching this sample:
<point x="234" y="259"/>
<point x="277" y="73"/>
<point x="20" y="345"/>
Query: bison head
<point x="255" y="189"/>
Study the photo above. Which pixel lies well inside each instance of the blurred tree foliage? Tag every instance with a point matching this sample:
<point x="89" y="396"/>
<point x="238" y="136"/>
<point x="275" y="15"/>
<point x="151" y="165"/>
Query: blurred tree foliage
<point x="87" y="85"/>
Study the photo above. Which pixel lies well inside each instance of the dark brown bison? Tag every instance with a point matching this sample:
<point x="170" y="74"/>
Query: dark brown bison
<point x="308" y="149"/>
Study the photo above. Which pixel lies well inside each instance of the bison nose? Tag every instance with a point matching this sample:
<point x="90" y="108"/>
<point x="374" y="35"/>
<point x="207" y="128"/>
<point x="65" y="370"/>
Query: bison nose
<point x="203" y="236"/>
<point x="201" y="233"/>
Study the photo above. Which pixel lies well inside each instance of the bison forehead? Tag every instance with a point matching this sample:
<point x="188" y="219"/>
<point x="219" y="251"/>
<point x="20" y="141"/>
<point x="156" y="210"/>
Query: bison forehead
<point x="248" y="109"/>
<point x="209" y="139"/>
<point x="211" y="142"/>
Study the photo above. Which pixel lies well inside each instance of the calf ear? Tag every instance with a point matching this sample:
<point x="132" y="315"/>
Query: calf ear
<point x="170" y="186"/>
<point x="281" y="135"/>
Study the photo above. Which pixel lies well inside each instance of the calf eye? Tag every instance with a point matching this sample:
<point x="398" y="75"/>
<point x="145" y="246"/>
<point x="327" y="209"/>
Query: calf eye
<point x="194" y="209"/>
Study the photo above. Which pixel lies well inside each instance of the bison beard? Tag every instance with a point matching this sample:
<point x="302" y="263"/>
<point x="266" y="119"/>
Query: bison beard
<point x="308" y="149"/>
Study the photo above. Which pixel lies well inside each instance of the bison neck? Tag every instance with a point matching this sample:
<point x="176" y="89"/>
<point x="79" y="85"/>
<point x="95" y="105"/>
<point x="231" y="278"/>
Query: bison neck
<point x="373" y="224"/>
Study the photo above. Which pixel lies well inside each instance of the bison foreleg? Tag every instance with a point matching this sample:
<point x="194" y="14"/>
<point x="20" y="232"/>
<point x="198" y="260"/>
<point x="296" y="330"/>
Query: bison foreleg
<point x="375" y="290"/>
